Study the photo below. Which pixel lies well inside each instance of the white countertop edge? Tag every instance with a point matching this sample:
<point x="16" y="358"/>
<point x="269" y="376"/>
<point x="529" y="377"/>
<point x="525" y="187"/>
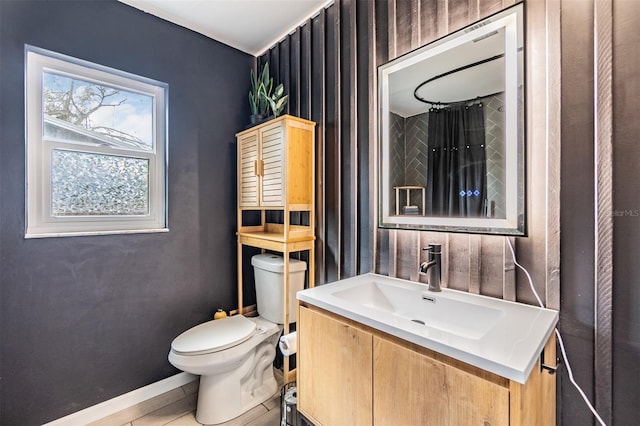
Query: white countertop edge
<point x="517" y="374"/>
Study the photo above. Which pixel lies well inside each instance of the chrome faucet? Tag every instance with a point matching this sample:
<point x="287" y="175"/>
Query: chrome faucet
<point x="431" y="267"/>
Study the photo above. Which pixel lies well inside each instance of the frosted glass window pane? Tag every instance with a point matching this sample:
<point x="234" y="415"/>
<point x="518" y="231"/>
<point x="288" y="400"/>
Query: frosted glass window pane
<point x="87" y="184"/>
<point x="80" y="111"/>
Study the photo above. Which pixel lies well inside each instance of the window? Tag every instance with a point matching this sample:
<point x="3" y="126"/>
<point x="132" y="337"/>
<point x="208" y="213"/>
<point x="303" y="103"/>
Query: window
<point x="96" y="149"/>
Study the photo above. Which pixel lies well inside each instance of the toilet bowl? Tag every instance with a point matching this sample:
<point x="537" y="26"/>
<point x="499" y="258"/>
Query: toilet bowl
<point x="234" y="358"/>
<point x="234" y="355"/>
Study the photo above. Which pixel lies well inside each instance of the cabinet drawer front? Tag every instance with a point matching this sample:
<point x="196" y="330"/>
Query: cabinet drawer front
<point x="334" y="370"/>
<point x="413" y="389"/>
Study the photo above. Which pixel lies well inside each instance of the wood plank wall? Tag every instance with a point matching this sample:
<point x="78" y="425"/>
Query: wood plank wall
<point x="329" y="68"/>
<point x="325" y="67"/>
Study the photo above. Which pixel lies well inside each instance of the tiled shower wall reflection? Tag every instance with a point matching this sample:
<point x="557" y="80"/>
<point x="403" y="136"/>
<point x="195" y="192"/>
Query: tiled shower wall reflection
<point x="409" y="154"/>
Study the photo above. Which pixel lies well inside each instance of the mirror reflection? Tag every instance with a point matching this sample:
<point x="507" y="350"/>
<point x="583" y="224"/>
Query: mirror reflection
<point x="452" y="116"/>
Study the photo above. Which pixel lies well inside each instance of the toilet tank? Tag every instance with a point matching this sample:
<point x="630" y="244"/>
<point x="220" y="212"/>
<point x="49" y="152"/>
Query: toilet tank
<point x="269" y="274"/>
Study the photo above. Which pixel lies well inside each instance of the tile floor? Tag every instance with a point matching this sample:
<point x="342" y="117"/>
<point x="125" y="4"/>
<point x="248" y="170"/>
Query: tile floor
<point x="178" y="408"/>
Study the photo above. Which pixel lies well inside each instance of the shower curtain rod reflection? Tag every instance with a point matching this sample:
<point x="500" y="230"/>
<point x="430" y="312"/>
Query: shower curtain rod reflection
<point x="462" y="68"/>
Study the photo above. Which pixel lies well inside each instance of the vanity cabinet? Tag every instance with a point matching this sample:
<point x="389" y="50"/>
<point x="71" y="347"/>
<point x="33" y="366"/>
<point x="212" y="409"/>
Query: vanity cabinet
<point x="349" y="373"/>
<point x="334" y="387"/>
<point x="276" y="171"/>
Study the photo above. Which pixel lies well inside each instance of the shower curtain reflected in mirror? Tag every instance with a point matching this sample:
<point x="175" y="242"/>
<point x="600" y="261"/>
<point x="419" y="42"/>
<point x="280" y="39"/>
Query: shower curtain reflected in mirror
<point x="456" y="172"/>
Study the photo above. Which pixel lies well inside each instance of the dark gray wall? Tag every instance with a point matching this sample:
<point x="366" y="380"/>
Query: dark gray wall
<point x="85" y="319"/>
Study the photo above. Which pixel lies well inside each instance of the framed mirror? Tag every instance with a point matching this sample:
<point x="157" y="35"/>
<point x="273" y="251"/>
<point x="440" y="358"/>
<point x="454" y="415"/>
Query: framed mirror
<point x="452" y="131"/>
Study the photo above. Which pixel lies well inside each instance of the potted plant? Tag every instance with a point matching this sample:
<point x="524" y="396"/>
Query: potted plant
<point x="277" y="101"/>
<point x="263" y="99"/>
<point x="257" y="100"/>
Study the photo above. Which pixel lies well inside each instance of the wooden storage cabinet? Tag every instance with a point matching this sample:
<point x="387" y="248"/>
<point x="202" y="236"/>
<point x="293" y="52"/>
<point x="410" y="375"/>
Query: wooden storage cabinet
<point x="261" y="160"/>
<point x="407" y="384"/>
<point x="275" y="165"/>
<point x="276" y="170"/>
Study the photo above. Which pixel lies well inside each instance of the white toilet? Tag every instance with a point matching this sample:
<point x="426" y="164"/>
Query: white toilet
<point x="234" y="355"/>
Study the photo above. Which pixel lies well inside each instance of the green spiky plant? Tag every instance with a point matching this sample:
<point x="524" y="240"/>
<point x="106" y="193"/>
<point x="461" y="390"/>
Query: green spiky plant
<point x="259" y="85"/>
<point x="277" y="101"/>
<point x="262" y="97"/>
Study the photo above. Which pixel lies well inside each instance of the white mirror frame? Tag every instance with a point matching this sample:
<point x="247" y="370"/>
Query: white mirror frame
<point x="512" y="20"/>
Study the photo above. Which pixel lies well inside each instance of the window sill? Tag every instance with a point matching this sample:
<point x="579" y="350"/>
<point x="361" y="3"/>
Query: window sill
<point x="33" y="235"/>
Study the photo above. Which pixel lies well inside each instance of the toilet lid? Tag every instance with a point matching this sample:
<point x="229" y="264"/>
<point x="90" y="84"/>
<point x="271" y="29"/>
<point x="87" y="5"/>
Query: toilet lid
<point x="213" y="336"/>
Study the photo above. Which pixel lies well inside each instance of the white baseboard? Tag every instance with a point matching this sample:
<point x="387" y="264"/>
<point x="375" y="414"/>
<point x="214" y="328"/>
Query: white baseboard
<point x="119" y="403"/>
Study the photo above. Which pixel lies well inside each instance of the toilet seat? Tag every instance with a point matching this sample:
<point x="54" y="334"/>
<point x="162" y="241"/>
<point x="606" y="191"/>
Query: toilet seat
<point x="214" y="336"/>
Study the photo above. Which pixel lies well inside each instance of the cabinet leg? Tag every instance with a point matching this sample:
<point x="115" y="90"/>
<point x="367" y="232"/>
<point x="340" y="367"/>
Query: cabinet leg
<point x="239" y="278"/>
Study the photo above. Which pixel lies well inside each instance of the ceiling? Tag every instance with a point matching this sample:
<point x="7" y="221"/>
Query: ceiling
<point x="252" y="26"/>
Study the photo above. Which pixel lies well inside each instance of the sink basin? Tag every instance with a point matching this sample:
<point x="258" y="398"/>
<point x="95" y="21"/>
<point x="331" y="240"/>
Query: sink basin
<point x="440" y="310"/>
<point x="496" y="335"/>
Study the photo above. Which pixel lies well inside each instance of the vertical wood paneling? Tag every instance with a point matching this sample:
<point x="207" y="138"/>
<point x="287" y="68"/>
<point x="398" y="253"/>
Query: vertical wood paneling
<point x="554" y="100"/>
<point x="403" y="29"/>
<point x="283" y="74"/>
<point x="509" y="272"/>
<point x="349" y="138"/>
<point x="274" y="61"/>
<point x="333" y="157"/>
<point x="305" y="71"/>
<point x="382" y="33"/>
<point x="416" y="28"/>
<point x="626" y="229"/>
<point x="603" y="115"/>
<point x="324" y="65"/>
<point x="391" y="26"/>
<point x="367" y="120"/>
<point x="493" y="280"/>
<point x="474" y="10"/>
<point x="475" y="263"/>
<point x="318" y="114"/>
<point x="407" y="256"/>
<point x="531" y="251"/>
<point x="458" y="12"/>
<point x="335" y="60"/>
<point x="393" y="253"/>
<point x="429" y="21"/>
<point x="578" y="216"/>
<point x="442" y="17"/>
<point x="459" y="262"/>
<point x="294" y="74"/>
<point x="489" y="7"/>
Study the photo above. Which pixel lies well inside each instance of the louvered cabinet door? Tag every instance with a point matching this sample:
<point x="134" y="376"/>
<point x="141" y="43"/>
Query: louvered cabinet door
<point x="272" y="165"/>
<point x="248" y="167"/>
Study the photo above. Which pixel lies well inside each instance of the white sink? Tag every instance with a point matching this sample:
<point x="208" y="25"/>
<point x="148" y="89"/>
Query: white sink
<point x="439" y="311"/>
<point x="497" y="335"/>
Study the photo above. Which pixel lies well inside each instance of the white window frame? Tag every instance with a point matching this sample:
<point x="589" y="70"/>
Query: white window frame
<point x="40" y="222"/>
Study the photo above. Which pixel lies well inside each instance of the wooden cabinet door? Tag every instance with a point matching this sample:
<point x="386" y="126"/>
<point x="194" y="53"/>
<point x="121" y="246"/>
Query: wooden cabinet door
<point x="334" y="371"/>
<point x="413" y="389"/>
<point x="272" y="167"/>
<point x="248" y="167"/>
